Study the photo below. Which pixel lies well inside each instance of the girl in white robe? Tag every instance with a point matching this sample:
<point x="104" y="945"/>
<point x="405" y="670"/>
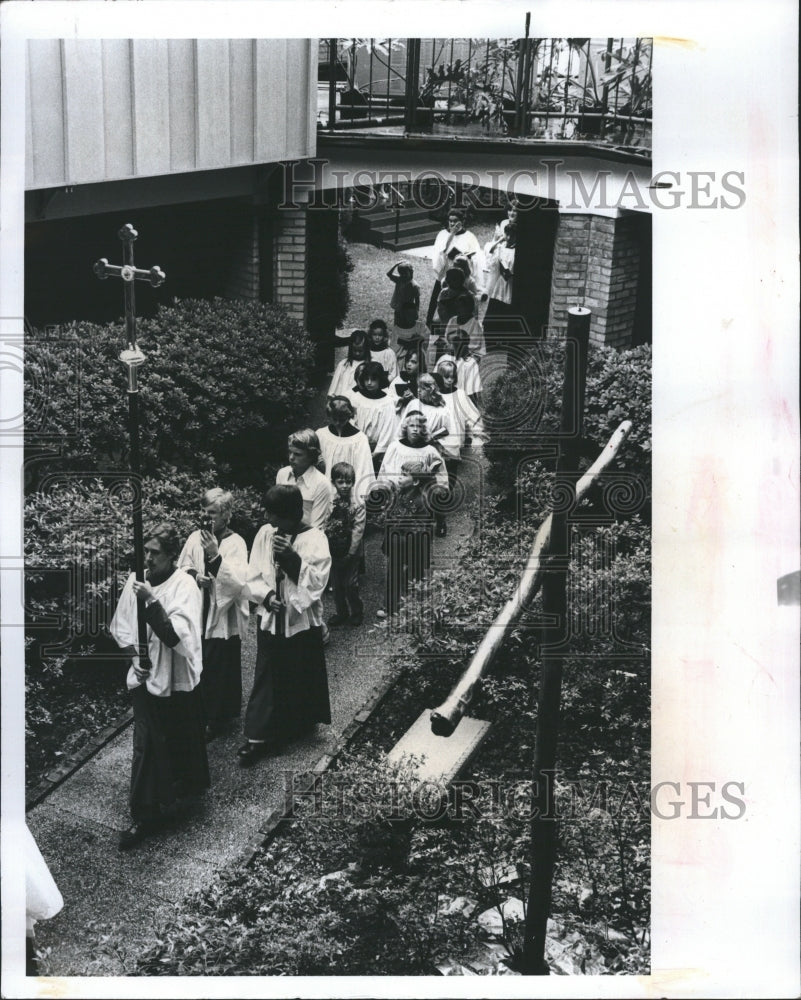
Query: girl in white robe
<point x="341" y="441"/>
<point x="414" y="445"/>
<point x="375" y="410"/>
<point x="344" y="376"/>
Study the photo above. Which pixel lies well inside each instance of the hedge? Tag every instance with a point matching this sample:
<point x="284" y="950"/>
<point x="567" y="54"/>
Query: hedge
<point x="526" y="404"/>
<point x="224" y="381"/>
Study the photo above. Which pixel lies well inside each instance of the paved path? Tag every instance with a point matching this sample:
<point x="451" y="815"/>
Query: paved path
<point x="77" y="827"/>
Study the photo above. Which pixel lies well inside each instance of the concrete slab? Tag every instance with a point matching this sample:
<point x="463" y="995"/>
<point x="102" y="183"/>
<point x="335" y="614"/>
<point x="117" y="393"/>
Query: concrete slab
<point x="441" y="758"/>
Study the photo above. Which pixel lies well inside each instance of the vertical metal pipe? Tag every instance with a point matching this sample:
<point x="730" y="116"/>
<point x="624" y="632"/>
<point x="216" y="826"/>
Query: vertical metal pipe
<point x="332" y="82"/>
<point x="633" y="78"/>
<point x="550" y="78"/>
<point x="130" y="297"/>
<point x="450" y="85"/>
<point x="617" y="84"/>
<point x="370" y="81"/>
<point x="412" y="82"/>
<point x="523" y="129"/>
<point x="554" y="603"/>
<point x="605" y="93"/>
<point x="389" y="70"/>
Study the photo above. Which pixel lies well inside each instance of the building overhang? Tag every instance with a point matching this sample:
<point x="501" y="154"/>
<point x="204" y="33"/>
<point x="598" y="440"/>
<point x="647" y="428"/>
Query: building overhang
<point x="580" y="177"/>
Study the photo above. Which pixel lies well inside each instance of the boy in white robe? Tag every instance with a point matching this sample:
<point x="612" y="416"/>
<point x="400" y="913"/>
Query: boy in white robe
<point x="217" y="558"/>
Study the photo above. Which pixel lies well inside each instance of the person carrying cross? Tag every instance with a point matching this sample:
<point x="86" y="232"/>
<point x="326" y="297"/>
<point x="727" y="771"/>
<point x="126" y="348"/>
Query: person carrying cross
<point x="169" y="748"/>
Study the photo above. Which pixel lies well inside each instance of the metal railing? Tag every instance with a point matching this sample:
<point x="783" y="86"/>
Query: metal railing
<point x="578" y="89"/>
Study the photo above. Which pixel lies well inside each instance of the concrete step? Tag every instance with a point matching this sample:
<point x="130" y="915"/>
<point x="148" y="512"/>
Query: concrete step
<point x="376" y="217"/>
<point x="407" y="242"/>
<point x="407" y="227"/>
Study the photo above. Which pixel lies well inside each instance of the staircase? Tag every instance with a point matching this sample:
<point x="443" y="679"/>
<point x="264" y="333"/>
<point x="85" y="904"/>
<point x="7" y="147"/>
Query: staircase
<point x="413" y="225"/>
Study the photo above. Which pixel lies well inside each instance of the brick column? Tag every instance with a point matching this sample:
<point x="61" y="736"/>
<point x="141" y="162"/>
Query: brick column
<point x="290" y="263"/>
<point x="596" y="264"/>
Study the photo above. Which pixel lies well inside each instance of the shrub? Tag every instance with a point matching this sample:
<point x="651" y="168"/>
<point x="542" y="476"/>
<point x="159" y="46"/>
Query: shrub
<point x="618" y="388"/>
<point x="224" y="380"/>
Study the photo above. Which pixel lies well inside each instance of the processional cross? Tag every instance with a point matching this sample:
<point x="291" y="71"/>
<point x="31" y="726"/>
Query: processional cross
<point x="132" y="357"/>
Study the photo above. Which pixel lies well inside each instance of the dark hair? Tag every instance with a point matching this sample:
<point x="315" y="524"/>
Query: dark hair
<point x="372" y="368"/>
<point x="343" y="470"/>
<point x="511" y="232"/>
<point x="455" y="277"/>
<point x="167" y="536"/>
<point x="285" y="502"/>
<point x="340" y="404"/>
<point x="378" y="323"/>
<point x="465" y="301"/>
<point x="419" y="350"/>
<point x="356" y="338"/>
<point x="458" y="213"/>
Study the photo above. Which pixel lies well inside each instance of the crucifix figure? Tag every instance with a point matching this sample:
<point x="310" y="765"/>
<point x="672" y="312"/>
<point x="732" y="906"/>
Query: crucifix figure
<point x="132" y="358"/>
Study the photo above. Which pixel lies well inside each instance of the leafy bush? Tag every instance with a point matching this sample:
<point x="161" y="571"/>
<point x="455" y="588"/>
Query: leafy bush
<point x="224" y="381"/>
<point x="618" y="388"/>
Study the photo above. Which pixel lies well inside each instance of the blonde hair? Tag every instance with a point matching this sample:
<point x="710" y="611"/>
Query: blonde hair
<point x="307" y="441"/>
<point x="224" y="498"/>
<point x="414" y="415"/>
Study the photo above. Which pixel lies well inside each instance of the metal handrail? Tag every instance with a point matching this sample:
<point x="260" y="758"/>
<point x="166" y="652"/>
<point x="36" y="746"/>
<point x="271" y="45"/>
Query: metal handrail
<point x="446" y="718"/>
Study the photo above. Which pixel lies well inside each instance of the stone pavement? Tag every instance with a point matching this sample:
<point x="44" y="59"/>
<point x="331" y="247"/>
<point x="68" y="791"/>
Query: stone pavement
<point x="124" y="893"/>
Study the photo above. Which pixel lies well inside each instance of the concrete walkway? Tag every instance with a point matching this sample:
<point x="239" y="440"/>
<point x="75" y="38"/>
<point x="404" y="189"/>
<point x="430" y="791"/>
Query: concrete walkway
<point x="108" y="892"/>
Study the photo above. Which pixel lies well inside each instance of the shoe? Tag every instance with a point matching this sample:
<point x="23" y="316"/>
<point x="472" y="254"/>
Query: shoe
<point x="355" y="621"/>
<point x="335" y="620"/>
<point x="136" y="833"/>
<point x="381" y="613"/>
<point x="251" y="752"/>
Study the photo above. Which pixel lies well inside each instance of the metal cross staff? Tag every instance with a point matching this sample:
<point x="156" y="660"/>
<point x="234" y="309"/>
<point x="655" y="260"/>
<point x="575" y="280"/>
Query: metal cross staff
<point x="132" y="358"/>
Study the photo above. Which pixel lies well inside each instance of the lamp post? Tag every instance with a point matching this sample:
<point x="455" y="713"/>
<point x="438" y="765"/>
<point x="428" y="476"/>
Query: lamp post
<point x="133" y="358"/>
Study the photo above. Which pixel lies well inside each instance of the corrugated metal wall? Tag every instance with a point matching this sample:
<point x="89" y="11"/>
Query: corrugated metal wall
<point x="113" y="109"/>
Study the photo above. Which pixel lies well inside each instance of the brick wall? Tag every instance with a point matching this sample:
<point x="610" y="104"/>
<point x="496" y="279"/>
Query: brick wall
<point x="596" y="264"/>
<point x="290" y="264"/>
<point x="243" y="280"/>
